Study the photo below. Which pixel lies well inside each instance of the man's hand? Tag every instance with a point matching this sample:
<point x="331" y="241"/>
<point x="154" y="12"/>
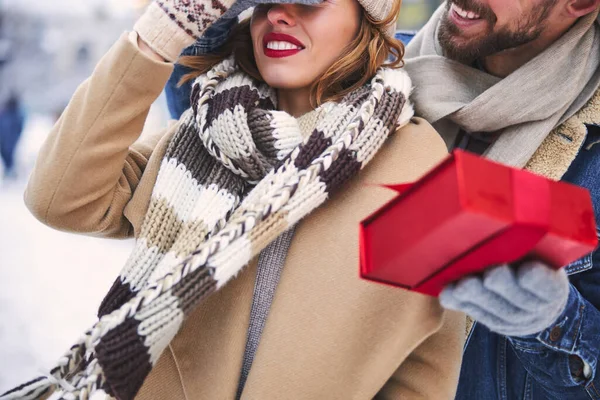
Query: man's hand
<point x="511" y="301"/>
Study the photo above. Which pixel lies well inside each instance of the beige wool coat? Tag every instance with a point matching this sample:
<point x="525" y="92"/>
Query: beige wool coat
<point x="329" y="335"/>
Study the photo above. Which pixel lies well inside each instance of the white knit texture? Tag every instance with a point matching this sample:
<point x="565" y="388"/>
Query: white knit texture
<point x="378" y="9"/>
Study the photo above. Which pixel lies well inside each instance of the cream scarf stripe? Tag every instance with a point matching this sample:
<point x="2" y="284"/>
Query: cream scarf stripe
<point x="285" y="135"/>
<point x="119" y="362"/>
<point x="239" y="149"/>
<point x="201" y="214"/>
<point x="141" y="269"/>
<point x="177" y="184"/>
<point x="181" y="213"/>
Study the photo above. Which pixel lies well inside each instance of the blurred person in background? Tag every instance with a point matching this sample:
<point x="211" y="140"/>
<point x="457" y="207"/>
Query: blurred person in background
<point x="283" y="116"/>
<point x="12" y="120"/>
<point x="518" y="81"/>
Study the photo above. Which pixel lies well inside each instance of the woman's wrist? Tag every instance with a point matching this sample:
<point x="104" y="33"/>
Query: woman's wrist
<point x="161" y="33"/>
<point x="147" y="50"/>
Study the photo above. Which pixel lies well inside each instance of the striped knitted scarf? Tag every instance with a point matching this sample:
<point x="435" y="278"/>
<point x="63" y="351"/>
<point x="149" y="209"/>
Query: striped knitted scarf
<point x="236" y="175"/>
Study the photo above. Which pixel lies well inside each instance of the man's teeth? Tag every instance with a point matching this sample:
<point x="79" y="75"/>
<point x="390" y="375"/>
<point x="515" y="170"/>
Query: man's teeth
<point x="464" y="13"/>
<point x="282" y="46"/>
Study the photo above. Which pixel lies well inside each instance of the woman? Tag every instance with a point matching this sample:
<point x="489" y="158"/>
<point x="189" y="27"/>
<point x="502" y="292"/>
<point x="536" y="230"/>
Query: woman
<point x="276" y="134"/>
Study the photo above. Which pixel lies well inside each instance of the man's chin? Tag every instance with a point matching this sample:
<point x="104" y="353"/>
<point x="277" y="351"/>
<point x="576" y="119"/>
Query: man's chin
<point x="457" y="45"/>
<point x="462" y="55"/>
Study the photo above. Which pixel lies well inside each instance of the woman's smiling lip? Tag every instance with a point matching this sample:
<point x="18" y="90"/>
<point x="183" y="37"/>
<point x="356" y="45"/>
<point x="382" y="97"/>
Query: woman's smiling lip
<point x="279" y="45"/>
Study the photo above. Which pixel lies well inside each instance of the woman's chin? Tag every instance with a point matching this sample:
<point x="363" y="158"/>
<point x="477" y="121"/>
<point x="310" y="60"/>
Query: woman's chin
<point x="283" y="83"/>
<point x="288" y="77"/>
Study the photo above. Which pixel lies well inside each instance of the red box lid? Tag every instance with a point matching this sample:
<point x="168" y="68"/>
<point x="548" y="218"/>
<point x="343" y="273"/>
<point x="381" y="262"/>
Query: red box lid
<point x="462" y="204"/>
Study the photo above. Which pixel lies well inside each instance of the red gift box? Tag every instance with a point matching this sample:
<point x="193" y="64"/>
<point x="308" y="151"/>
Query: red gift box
<point x="468" y="214"/>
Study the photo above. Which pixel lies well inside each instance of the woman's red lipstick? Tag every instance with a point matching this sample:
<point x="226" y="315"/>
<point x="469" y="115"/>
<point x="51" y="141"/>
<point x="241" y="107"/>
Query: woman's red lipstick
<point x="281" y="37"/>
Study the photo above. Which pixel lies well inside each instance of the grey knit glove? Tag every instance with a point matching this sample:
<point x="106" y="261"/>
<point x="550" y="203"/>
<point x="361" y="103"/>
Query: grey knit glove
<point x="509" y="301"/>
<point x="169" y="26"/>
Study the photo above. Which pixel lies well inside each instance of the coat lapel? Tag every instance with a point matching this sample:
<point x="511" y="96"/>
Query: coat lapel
<point x="346" y="326"/>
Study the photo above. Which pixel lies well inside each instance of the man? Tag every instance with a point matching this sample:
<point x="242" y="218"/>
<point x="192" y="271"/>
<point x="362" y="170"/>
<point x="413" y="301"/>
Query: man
<point x="518" y="82"/>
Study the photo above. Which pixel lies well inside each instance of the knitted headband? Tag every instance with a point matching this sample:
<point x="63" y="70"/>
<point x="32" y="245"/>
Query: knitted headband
<point x="377" y="9"/>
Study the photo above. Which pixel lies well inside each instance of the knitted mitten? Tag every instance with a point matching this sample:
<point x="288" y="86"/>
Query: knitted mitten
<point x="509" y="302"/>
<point x="169" y="26"/>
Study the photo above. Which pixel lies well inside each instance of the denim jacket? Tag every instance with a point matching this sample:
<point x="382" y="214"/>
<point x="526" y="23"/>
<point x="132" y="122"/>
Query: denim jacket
<point x="558" y="363"/>
<point x="178" y="98"/>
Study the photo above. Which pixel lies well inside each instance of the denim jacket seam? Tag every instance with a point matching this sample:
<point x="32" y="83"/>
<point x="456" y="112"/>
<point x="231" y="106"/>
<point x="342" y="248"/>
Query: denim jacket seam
<point x="527" y="395"/>
<point x="502" y="369"/>
<point x="572" y="348"/>
<point x="583" y="264"/>
<point x="576" y="333"/>
<point x="593" y="387"/>
<point x="535" y="350"/>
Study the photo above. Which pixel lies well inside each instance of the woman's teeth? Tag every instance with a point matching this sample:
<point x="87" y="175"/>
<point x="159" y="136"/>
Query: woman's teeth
<point x="282" y="46"/>
<point x="464" y="13"/>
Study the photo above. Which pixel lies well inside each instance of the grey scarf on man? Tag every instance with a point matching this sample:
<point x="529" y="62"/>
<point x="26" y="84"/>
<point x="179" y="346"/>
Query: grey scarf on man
<point x="524" y="107"/>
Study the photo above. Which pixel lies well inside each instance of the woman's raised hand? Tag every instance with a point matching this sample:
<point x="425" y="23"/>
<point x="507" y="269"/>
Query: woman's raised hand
<point x="169" y="26"/>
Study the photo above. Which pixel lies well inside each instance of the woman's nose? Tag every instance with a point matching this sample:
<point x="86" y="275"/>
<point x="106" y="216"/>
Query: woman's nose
<point x="281" y="14"/>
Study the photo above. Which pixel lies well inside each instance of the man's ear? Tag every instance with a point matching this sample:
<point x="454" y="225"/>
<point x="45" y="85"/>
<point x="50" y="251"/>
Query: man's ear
<point x="580" y="8"/>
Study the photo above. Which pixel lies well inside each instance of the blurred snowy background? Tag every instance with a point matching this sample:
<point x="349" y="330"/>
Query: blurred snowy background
<point x="52" y="282"/>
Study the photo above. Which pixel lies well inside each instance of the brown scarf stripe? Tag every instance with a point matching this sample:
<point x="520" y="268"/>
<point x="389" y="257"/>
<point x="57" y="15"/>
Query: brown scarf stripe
<point x="229" y="99"/>
<point x="119" y="294"/>
<point x="124" y="358"/>
<point x="239" y="166"/>
<point x="316" y="144"/>
<point x="192" y="154"/>
<point x="345" y="167"/>
<point x="195" y="287"/>
<point x="125" y="343"/>
<point x="269" y="141"/>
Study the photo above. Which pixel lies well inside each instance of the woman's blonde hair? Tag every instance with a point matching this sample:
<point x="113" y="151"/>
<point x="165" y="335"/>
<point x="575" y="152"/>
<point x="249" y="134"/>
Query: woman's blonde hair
<point x="372" y="48"/>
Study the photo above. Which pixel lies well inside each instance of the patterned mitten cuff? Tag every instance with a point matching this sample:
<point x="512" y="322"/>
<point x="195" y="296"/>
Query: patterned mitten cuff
<point x="512" y="302"/>
<point x="169" y="26"/>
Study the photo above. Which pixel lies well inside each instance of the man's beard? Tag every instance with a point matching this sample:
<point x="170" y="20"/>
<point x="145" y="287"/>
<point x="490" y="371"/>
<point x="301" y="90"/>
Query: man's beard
<point x="529" y="28"/>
